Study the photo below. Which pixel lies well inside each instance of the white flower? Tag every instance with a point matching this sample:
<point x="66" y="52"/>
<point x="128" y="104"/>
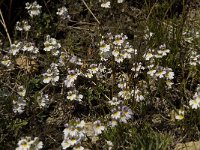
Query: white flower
<point x="106" y="4"/>
<point x="6" y="61"/>
<point x="93" y="69"/>
<point x="21" y="91"/>
<point x="126" y="114"/>
<point x="81" y="124"/>
<point x="28" y="144"/>
<point x="104" y="47"/>
<point x="30" y="47"/>
<point x="63" y="13"/>
<point x="23" y="144"/>
<point x="148" y="56"/>
<point x="98" y="128"/>
<point x="119" y="39"/>
<point x="15" y="48"/>
<point x="72" y="141"/>
<point x="115" y="52"/>
<point x="23" y="25"/>
<point x="39" y="146"/>
<point x="113" y="123"/>
<point x="120" y="1"/>
<point x="74" y="95"/>
<point x="65" y="144"/>
<point x="73" y="132"/>
<point x="151" y="72"/>
<point x="194" y="103"/>
<point x="160" y="73"/>
<point x="169" y="83"/>
<point x="116" y="114"/>
<point x="52" y="45"/>
<point x="125" y="94"/>
<point x="180" y="115"/>
<point x="43" y="100"/>
<point x="75" y="60"/>
<point x="69" y="81"/>
<point x="169" y="75"/>
<point x="52" y="74"/>
<point x="33" y="9"/>
<point x="114" y="101"/>
<point x="19" y="105"/>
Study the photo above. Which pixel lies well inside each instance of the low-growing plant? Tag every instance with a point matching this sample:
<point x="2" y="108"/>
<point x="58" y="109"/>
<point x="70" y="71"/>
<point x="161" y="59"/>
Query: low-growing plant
<point x="100" y="75"/>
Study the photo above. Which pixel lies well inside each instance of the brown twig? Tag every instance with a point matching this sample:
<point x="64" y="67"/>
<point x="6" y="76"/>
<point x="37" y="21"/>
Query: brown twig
<point x="2" y="21"/>
<point x="90" y="11"/>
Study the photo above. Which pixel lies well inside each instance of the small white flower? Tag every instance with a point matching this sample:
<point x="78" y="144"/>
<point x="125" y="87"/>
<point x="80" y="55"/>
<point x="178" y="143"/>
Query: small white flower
<point x="194" y="104"/>
<point x="169" y="75"/>
<point x="98" y="128"/>
<point x="74" y="95"/>
<point x="52" y="74"/>
<point x="169" y="83"/>
<point x="6" y="61"/>
<point x="148" y="56"/>
<point x="63" y="13"/>
<point x="19" y="105"/>
<point x="120" y="1"/>
<point x="52" y="45"/>
<point x="65" y="144"/>
<point x="151" y="72"/>
<point x="104" y="47"/>
<point x="21" y="91"/>
<point x="27" y="143"/>
<point x="23" y="25"/>
<point x="180" y="115"/>
<point x="106" y="4"/>
<point x="15" y="48"/>
<point x="116" y="114"/>
<point x="160" y="73"/>
<point x="33" y="9"/>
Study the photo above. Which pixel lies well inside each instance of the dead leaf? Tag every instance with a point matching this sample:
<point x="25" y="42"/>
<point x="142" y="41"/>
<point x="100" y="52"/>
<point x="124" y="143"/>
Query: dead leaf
<point x="27" y="64"/>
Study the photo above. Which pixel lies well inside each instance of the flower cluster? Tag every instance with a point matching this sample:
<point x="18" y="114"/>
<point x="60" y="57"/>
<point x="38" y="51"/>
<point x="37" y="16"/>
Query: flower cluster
<point x="137" y="67"/>
<point x="161" y="52"/>
<point x="105" y="4"/>
<point x="116" y="46"/>
<point x="121" y="114"/>
<point x="52" y="45"/>
<point x="74" y="134"/>
<point x="33" y="9"/>
<point x="30" y="47"/>
<point x="24" y="47"/>
<point x="52" y="74"/>
<point x="126" y="92"/>
<point x="161" y="72"/>
<point x="23" y="26"/>
<point x="195" y="102"/>
<point x="43" y="100"/>
<point x="28" y="143"/>
<point x="63" y="13"/>
<point x="20" y="104"/>
<point x="74" y="95"/>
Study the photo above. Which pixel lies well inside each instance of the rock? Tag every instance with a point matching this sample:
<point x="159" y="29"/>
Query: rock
<point x="188" y="146"/>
